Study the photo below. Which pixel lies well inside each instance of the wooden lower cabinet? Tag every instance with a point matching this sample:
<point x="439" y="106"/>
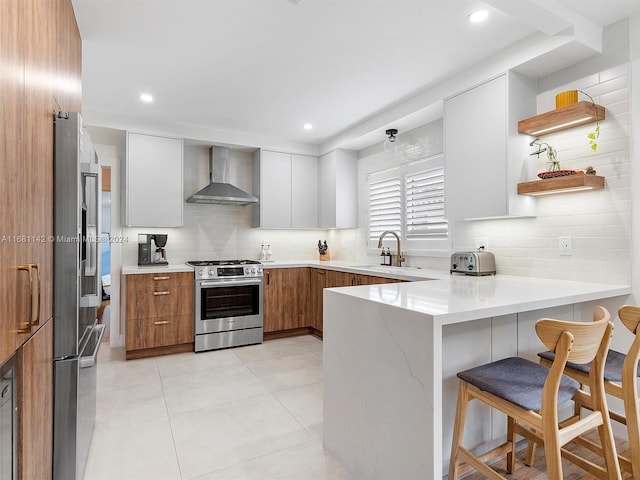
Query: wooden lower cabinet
<point x="35" y="405"/>
<point x="293" y="296"/>
<point x="159" y="313"/>
<point x="286" y="299"/>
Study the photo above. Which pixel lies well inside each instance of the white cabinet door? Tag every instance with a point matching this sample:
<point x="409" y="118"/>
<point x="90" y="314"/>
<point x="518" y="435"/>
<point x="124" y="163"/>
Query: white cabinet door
<point x="338" y="189"/>
<point x="304" y="191"/>
<point x="485" y="157"/>
<point x="153" y="188"/>
<point x="272" y="170"/>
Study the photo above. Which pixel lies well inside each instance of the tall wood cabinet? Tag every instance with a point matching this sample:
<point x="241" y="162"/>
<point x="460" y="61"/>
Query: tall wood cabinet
<point x="41" y="62"/>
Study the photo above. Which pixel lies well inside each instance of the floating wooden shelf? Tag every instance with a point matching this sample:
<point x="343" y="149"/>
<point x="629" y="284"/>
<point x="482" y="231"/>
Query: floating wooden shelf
<point x="571" y="116"/>
<point x="569" y="183"/>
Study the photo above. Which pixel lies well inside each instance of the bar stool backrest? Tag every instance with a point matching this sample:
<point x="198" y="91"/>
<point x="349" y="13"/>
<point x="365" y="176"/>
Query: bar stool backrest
<point x="586" y="340"/>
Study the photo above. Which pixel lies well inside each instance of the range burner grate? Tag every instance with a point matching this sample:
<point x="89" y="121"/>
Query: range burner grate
<point x="212" y="263"/>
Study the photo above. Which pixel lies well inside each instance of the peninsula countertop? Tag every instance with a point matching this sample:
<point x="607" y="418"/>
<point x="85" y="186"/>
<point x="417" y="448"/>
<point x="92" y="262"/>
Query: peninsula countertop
<point x="458" y="298"/>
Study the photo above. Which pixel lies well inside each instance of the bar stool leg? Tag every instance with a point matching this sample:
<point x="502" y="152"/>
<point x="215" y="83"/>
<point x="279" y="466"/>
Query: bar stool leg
<point x="530" y="456"/>
<point x="511" y="437"/>
<point x="458" y="429"/>
<point x="553" y="455"/>
<point x="633" y="432"/>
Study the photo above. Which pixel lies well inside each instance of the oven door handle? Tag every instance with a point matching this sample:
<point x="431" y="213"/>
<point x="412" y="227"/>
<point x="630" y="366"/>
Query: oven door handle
<point x="229" y="282"/>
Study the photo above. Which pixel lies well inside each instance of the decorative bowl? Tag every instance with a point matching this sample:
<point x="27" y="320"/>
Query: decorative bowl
<point x="556" y="173"/>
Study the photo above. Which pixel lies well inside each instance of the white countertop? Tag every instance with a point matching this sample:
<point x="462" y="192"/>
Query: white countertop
<point x="459" y="298"/>
<point x="400" y="273"/>
<point x="178" y="267"/>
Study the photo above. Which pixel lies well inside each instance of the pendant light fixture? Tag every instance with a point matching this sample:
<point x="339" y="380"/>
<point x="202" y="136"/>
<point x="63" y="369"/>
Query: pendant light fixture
<point x="391" y="144"/>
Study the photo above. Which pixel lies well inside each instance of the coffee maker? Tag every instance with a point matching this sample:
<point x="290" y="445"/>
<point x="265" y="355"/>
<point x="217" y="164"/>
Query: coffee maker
<point x="147" y="254"/>
<point x="160" y="255"/>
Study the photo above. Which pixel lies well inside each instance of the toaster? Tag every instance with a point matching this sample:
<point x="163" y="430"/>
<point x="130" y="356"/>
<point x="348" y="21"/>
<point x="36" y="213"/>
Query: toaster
<point x="473" y="263"/>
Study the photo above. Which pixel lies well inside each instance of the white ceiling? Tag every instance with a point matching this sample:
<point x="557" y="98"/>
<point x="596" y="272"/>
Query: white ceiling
<point x="251" y="72"/>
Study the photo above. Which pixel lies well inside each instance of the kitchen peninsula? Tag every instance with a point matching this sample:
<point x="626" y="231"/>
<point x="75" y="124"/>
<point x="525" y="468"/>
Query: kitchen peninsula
<point x="392" y="351"/>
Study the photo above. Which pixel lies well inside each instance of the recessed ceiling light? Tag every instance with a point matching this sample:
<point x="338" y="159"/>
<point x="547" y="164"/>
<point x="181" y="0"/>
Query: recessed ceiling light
<point x="478" y="16"/>
<point x="307" y="126"/>
<point x="145" y="97"/>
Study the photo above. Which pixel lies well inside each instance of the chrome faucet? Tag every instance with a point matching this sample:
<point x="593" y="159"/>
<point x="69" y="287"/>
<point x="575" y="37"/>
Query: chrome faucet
<point x="399" y="258"/>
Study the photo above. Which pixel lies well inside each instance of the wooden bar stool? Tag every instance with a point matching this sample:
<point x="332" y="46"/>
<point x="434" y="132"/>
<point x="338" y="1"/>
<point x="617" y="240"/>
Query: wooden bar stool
<point x="621" y="381"/>
<point x="529" y="394"/>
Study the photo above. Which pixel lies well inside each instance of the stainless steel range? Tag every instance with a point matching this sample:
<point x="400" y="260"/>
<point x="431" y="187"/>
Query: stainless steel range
<point x="228" y="303"/>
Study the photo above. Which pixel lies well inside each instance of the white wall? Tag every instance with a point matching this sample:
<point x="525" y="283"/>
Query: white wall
<point x="598" y="222"/>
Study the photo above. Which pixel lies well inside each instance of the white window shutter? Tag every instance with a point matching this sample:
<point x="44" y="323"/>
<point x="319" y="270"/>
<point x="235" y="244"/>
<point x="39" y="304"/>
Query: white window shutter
<point x="385" y="204"/>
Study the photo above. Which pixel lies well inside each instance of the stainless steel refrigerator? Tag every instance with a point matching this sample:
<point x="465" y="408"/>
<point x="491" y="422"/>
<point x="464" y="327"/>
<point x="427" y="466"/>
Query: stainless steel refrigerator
<point x="77" y="292"/>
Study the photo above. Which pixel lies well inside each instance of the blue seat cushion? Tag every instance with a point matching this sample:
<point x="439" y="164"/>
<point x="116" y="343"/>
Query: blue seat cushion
<point x="517" y="380"/>
<point x="612" y="367"/>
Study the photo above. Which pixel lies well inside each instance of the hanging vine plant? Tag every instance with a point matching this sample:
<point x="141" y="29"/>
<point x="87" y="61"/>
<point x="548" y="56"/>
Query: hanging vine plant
<point x="595" y="134"/>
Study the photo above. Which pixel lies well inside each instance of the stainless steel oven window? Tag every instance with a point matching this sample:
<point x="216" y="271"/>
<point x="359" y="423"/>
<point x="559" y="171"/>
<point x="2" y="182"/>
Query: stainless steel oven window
<point x="229" y="301"/>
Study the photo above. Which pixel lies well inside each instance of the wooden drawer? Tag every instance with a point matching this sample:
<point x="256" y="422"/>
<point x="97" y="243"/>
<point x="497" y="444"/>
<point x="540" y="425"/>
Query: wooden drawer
<point x="159" y="280"/>
<point x="159" y="301"/>
<point x="159" y="332"/>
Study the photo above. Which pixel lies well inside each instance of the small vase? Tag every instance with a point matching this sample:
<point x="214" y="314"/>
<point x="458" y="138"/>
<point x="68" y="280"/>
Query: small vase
<point x="564" y="99"/>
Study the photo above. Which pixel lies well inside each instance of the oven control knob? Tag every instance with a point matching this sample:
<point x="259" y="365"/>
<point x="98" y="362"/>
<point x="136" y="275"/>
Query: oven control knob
<point x="201" y="272"/>
<point x="211" y="273"/>
<point x="254" y="270"/>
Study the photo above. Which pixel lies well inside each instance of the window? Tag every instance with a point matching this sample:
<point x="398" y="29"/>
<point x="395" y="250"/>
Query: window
<point x="409" y="199"/>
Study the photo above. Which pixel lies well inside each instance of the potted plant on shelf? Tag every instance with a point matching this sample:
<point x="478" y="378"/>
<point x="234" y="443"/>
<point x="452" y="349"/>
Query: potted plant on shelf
<point x="553" y="164"/>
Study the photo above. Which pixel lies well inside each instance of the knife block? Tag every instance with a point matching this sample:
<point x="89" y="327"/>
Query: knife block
<point x="325" y="256"/>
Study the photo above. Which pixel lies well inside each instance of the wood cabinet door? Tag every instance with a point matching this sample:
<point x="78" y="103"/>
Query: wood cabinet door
<point x="318" y="284"/>
<point x="285" y="295"/>
<point x="159" y="332"/>
<point x="35" y="405"/>
<point x="11" y="99"/>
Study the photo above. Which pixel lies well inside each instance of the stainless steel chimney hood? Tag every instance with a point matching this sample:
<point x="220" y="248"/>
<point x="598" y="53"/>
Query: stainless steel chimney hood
<point x="220" y="191"/>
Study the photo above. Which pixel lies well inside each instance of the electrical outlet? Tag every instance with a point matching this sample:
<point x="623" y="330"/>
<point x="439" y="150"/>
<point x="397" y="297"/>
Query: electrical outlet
<point x="481" y="242"/>
<point x="565" y="246"/>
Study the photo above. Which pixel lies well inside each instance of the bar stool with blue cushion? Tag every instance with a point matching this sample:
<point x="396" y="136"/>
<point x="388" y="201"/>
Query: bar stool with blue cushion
<point x="621" y="381"/>
<point x="529" y="394"/>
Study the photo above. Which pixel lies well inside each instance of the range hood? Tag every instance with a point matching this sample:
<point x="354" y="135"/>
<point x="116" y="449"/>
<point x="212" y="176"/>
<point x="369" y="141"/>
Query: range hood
<point x="219" y="190"/>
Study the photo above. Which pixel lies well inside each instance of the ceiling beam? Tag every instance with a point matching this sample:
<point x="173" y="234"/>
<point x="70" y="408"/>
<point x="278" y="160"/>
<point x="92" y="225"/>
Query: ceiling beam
<point x="554" y="19"/>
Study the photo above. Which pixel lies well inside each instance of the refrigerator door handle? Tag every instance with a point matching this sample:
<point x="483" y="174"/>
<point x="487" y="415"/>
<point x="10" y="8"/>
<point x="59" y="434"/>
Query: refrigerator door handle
<point x="89" y="361"/>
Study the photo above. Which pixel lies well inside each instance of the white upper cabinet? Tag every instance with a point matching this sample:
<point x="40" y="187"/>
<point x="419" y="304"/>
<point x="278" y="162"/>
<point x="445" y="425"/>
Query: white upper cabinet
<point x="287" y="186"/>
<point x="485" y="157"/>
<point x="338" y="189"/>
<point x="304" y="191"/>
<point x="153" y="181"/>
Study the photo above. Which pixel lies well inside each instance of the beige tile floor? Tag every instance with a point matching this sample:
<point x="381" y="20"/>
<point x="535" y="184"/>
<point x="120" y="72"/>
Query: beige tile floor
<point x="251" y="412"/>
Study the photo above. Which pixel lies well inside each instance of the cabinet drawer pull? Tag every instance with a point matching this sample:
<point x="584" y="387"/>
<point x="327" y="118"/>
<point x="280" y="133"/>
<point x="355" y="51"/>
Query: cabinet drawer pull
<point x="161" y="322"/>
<point x="162" y="278"/>
<point x="166" y="292"/>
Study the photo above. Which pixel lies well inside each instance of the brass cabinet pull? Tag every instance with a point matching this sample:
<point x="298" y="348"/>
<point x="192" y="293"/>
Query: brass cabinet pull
<point x="162" y="278"/>
<point x="166" y="292"/>
<point x="36" y="266"/>
<point x="161" y="322"/>
<point x="27" y="325"/>
<point x="268" y="277"/>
